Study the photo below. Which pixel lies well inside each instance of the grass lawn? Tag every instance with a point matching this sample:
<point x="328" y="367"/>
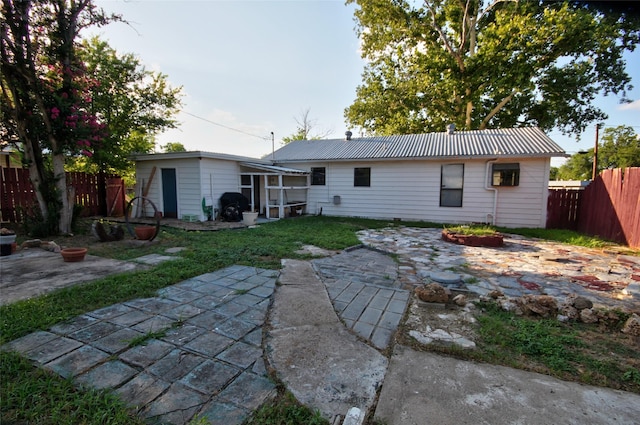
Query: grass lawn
<point x="29" y="395"/>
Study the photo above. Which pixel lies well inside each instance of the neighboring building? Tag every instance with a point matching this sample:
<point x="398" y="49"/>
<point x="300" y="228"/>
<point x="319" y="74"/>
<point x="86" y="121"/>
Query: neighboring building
<point x="486" y="176"/>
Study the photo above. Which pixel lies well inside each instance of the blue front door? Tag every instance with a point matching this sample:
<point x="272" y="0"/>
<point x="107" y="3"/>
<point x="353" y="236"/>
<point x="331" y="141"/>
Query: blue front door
<point x="169" y="193"/>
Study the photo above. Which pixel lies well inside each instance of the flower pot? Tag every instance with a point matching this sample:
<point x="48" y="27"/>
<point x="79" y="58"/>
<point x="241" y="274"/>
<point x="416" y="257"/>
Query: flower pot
<point x="249" y="218"/>
<point x="6" y="244"/>
<point x="73" y="255"/>
<point x="145" y="233"/>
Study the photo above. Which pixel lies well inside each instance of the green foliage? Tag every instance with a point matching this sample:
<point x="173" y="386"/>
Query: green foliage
<point x="619" y="147"/>
<point x="560" y="235"/>
<point x="173" y="147"/>
<point x="32" y="395"/>
<point x="285" y="410"/>
<point x="134" y="103"/>
<point x="567" y="350"/>
<point x="487" y="64"/>
<point x="473" y="230"/>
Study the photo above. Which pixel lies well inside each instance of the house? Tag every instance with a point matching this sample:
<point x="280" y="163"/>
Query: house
<point x="188" y="185"/>
<point x="485" y="176"/>
<point x="497" y="176"/>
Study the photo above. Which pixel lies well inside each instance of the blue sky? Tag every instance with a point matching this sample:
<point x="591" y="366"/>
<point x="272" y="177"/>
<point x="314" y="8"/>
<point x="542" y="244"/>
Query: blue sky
<point x="255" y="66"/>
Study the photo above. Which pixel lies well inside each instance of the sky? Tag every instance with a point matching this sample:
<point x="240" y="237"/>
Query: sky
<point x="250" y="68"/>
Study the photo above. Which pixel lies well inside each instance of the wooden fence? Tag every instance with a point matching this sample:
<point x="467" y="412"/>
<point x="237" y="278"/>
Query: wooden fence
<point x="563" y="206"/>
<point x="609" y="207"/>
<point x="91" y="192"/>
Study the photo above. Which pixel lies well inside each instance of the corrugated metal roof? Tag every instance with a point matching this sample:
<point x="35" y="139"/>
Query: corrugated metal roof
<point x="511" y="142"/>
<point x="274" y="168"/>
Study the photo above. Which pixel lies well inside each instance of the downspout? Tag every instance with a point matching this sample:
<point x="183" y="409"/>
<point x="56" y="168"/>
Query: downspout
<point x="487" y="186"/>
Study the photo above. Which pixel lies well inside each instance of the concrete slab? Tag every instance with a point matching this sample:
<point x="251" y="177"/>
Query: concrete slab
<point x="424" y="388"/>
<point x="33" y="272"/>
<point x="325" y="366"/>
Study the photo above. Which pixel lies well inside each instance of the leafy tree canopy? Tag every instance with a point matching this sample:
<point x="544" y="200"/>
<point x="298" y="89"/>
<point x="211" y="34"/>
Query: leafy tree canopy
<point x="133" y="103"/>
<point x="619" y="147"/>
<point x="173" y="147"/>
<point x="490" y="64"/>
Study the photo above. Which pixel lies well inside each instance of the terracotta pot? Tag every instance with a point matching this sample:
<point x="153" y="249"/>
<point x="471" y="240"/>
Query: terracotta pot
<point x="144" y="233"/>
<point x="73" y="255"/>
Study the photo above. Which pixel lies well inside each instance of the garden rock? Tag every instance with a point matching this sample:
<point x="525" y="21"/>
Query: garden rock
<point x="432" y="293"/>
<point x="541" y="305"/>
<point x="579" y="302"/>
<point x="460" y="300"/>
<point x="588" y="316"/>
<point x="632" y="326"/>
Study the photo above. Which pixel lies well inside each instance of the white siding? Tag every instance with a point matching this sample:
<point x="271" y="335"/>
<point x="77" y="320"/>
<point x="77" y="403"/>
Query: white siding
<point x="218" y="176"/>
<point x="195" y="179"/>
<point x="410" y="190"/>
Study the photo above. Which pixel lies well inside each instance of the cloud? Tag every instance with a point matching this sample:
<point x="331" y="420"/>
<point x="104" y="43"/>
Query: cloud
<point x="633" y="106"/>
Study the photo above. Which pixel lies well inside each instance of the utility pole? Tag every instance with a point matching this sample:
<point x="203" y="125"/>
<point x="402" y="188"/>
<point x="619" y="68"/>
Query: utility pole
<point x="595" y="156"/>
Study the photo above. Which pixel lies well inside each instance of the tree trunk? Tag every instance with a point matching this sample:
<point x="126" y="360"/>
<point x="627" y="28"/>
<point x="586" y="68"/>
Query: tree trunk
<point x="64" y="221"/>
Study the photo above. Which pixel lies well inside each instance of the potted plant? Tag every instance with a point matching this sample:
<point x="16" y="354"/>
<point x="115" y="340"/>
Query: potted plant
<point x="145" y="233"/>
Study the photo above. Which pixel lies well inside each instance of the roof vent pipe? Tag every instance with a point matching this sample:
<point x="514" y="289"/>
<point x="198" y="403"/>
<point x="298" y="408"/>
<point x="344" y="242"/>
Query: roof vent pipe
<point x="348" y="134"/>
<point x="451" y="128"/>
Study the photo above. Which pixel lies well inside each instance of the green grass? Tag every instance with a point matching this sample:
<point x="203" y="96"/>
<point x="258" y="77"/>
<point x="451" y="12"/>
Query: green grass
<point x="285" y="410"/>
<point x="573" y="351"/>
<point x="34" y="396"/>
<point x="473" y="230"/>
<point x="561" y="235"/>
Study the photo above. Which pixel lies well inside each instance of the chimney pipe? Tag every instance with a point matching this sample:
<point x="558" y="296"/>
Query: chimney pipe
<point x="348" y="134"/>
<point x="451" y="128"/>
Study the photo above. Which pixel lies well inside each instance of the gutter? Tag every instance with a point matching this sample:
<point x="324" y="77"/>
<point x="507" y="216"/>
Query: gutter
<point x="488" y="187"/>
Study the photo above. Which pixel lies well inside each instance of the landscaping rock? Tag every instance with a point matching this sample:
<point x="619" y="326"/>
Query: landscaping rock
<point x="632" y="325"/>
<point x="569" y="311"/>
<point x="432" y="293"/>
<point x="495" y="294"/>
<point x="579" y="302"/>
<point x="460" y="300"/>
<point x="541" y="305"/>
<point x="588" y="316"/>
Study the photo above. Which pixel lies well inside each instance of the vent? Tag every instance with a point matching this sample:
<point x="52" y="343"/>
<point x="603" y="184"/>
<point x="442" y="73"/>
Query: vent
<point x="348" y="135"/>
<point x="451" y="128"/>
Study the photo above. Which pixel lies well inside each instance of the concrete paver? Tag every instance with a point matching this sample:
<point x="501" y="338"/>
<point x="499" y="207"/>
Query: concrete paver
<point x="171" y="357"/>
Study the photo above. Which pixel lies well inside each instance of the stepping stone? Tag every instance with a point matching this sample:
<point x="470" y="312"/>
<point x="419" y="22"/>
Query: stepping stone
<point x="445" y="277"/>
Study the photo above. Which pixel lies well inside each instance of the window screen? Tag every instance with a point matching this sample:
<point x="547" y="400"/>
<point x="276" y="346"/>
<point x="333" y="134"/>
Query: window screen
<point x="318" y="176"/>
<point x="362" y="177"/>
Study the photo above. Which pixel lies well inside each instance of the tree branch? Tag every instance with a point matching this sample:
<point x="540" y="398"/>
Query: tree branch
<point x="497" y="109"/>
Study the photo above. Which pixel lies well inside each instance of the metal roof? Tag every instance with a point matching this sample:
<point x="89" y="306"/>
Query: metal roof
<point x="273" y="168"/>
<point x="501" y="143"/>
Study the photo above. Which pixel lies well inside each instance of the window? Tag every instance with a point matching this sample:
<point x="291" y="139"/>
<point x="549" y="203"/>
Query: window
<point x="245" y="180"/>
<point x="318" y="176"/>
<point x="362" y="177"/>
<point x="451" y="181"/>
<point x="505" y="175"/>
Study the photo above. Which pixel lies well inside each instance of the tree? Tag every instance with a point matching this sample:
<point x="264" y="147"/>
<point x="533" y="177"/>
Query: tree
<point x="133" y="103"/>
<point x="579" y="166"/>
<point x="44" y="94"/>
<point x="618" y="148"/>
<point x="305" y="126"/>
<point x="173" y="147"/>
<point x="478" y="65"/>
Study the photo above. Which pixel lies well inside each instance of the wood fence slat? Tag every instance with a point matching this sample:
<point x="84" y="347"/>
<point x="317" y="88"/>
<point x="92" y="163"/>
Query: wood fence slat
<point x="17" y="194"/>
